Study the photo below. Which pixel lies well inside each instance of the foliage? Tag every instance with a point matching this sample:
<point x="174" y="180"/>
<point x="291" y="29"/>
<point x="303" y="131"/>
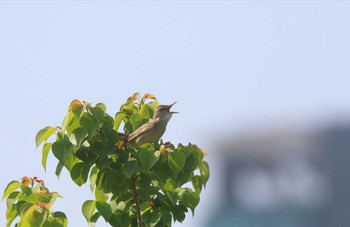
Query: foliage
<point x="31" y="201"/>
<point x="152" y="183"/>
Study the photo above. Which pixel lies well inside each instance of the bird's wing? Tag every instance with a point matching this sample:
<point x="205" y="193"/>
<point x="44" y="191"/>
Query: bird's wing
<point x="138" y="132"/>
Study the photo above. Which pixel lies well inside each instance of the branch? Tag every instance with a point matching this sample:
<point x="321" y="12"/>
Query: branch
<point x="136" y="199"/>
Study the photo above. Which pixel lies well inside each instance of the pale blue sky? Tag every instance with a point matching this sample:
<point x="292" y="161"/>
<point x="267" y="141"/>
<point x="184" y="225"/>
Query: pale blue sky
<point x="229" y="64"/>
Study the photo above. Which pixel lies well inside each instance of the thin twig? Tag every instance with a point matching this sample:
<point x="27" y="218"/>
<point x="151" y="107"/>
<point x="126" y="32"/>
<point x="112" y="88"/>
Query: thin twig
<point x="136" y="199"/>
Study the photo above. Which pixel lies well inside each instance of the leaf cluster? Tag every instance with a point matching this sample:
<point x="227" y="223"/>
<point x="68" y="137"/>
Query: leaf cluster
<point x="88" y="146"/>
<point x="31" y="201"/>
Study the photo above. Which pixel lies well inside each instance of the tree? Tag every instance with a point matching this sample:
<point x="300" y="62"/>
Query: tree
<point x="131" y="187"/>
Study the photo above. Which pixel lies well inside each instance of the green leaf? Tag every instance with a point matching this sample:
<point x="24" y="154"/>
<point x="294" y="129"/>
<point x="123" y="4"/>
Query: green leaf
<point x="187" y="172"/>
<point x="71" y="162"/>
<point x="191" y="163"/>
<point x="170" y="185"/>
<point x="98" y="112"/>
<point x="153" y="105"/>
<point x="144" y="207"/>
<point x="86" y="155"/>
<point x="101" y="106"/>
<point x="78" y="136"/>
<point x="151" y="218"/>
<point x="98" y="149"/>
<point x="120" y="219"/>
<point x="37" y="197"/>
<point x="197" y="183"/>
<point x="11" y="215"/>
<point x="103" y="163"/>
<point x="162" y="171"/>
<point x="70" y="122"/>
<point x="89" y="123"/>
<point x="59" y="220"/>
<point x="44" y="134"/>
<point x="119" y="206"/>
<point x="100" y="195"/>
<point x="166" y="218"/>
<point x="93" y="177"/>
<point x="148" y="158"/>
<point x="35" y="215"/>
<point x="107" y="127"/>
<point x="130" y="168"/>
<point x="145" y="180"/>
<point x="137" y="120"/>
<point x="117" y="183"/>
<point x="79" y="173"/>
<point x="109" y="143"/>
<point x="12" y="198"/>
<point x="22" y="206"/>
<point x="175" y="195"/>
<point x="59" y="214"/>
<point x="176" y="161"/>
<point x="69" y="116"/>
<point x="128" y="127"/>
<point x="122" y="156"/>
<point x="94" y="219"/>
<point x="190" y="200"/>
<point x="37" y="187"/>
<point x="13" y="185"/>
<point x="59" y="168"/>
<point x="99" y="190"/>
<point x="205" y="172"/>
<point x="178" y="212"/>
<point x="106" y="209"/>
<point x="61" y="150"/>
<point x="88" y="209"/>
<point x="118" y="120"/>
<point x="26" y="190"/>
<point x="45" y="154"/>
<point x="146" y="111"/>
<point x="54" y="196"/>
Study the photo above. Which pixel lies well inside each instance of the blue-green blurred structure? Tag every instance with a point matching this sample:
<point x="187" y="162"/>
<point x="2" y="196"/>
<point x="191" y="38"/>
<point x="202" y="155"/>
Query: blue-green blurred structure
<point x="286" y="178"/>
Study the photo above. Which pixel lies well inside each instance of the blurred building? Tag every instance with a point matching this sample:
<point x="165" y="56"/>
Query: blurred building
<point x="286" y="178"/>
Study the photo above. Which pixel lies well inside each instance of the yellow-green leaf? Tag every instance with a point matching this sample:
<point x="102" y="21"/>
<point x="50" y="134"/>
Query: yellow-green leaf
<point x="149" y="96"/>
<point x="44" y="134"/>
<point x="205" y="172"/>
<point x="36" y="215"/>
<point x="11" y="215"/>
<point x="13" y="185"/>
<point x="76" y="107"/>
<point x="45" y="154"/>
<point x="88" y="209"/>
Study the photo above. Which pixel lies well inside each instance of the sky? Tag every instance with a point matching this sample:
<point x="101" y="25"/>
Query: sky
<point x="230" y="65"/>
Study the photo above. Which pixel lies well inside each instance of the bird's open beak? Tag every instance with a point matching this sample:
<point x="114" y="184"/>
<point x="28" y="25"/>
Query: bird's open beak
<point x="170" y="108"/>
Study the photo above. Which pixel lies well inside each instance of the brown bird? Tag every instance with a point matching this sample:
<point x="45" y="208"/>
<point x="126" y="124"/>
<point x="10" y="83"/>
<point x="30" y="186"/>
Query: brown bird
<point x="150" y="132"/>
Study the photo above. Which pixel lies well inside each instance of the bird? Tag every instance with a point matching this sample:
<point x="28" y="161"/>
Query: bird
<point x="151" y="131"/>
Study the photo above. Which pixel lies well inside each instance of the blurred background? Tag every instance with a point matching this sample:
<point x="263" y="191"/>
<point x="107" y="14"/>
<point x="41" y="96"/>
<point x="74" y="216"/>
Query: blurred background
<point x="262" y="86"/>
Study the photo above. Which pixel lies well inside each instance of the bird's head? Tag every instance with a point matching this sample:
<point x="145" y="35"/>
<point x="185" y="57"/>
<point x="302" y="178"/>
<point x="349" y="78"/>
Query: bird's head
<point x="163" y="112"/>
